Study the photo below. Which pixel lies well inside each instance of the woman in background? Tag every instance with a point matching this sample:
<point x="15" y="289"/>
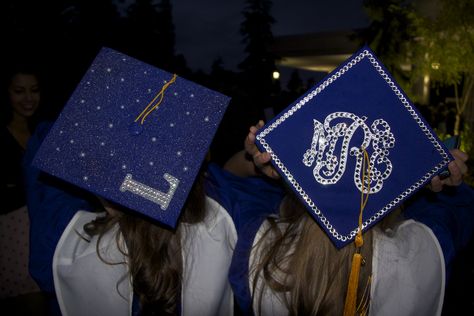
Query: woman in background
<point x="21" y="103"/>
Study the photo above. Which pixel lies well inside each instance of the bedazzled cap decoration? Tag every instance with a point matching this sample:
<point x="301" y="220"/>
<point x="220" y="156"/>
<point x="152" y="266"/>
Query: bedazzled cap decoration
<point x="318" y="145"/>
<point x="133" y="134"/>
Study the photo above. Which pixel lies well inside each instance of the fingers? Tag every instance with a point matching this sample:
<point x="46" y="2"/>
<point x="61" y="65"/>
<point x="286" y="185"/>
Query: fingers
<point x="457" y="169"/>
<point x="258" y="126"/>
<point x="250" y="146"/>
<point x="436" y="184"/>
<point x="260" y="159"/>
<point x="459" y="155"/>
<point x="460" y="159"/>
<point x="455" y="177"/>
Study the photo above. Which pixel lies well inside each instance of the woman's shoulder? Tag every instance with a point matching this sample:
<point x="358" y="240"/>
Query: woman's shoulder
<point x="76" y="243"/>
<point x="408" y="236"/>
<point x="207" y="253"/>
<point x="91" y="277"/>
<point x="217" y="223"/>
<point x="408" y="271"/>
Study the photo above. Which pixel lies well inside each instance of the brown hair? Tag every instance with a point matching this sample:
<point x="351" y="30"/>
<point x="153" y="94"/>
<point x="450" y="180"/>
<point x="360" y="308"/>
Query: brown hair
<point x="154" y="252"/>
<point x="301" y="264"/>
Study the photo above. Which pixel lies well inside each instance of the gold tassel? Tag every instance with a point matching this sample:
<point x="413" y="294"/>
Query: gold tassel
<point x="351" y="295"/>
<point x="151" y="107"/>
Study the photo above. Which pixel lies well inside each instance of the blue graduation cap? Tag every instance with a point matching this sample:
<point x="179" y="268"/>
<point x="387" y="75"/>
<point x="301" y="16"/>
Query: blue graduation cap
<point x="133" y="134"/>
<point x="319" y="142"/>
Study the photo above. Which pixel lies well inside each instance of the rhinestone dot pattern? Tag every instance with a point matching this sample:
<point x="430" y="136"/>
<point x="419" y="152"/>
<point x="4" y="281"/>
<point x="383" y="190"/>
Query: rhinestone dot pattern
<point x="381" y="142"/>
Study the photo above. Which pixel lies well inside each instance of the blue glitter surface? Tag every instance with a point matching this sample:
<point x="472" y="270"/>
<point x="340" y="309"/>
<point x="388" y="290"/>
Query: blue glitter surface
<point x="96" y="142"/>
<point x="358" y="105"/>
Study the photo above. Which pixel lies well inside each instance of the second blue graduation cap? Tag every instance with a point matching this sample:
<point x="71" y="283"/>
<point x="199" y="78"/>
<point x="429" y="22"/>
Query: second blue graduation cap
<point x="133" y="134"/>
<point x="317" y="144"/>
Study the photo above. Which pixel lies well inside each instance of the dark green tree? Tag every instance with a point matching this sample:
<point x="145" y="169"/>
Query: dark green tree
<point x="295" y="84"/>
<point x="29" y="23"/>
<point x="222" y="79"/>
<point x="393" y="29"/>
<point x="85" y="27"/>
<point x="98" y="21"/>
<point x="150" y="32"/>
<point x="445" y="53"/>
<point x="166" y="33"/>
<point x="259" y="64"/>
<point x="252" y="88"/>
<point x="435" y="46"/>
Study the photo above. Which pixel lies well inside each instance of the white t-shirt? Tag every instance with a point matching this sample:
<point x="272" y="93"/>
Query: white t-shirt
<point x="85" y="285"/>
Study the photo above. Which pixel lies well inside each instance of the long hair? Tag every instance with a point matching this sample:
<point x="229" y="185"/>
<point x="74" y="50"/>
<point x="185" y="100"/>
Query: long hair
<point x="154" y="252"/>
<point x="297" y="261"/>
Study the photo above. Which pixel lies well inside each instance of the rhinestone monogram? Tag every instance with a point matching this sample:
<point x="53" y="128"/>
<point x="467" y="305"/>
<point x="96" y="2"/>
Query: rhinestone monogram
<point x="329" y="166"/>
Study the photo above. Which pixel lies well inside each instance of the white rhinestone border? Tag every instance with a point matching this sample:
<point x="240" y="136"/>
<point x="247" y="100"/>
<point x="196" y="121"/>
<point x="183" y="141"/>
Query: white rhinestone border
<point x="261" y="138"/>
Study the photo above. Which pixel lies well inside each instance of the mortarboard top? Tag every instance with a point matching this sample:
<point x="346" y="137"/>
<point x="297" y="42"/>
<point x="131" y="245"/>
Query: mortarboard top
<point x="115" y="139"/>
<point x="315" y="144"/>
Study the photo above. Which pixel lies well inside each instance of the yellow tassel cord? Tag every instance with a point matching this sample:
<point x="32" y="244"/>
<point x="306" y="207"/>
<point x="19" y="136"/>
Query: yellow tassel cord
<point x="363" y="306"/>
<point x="351" y="294"/>
<point x="151" y="106"/>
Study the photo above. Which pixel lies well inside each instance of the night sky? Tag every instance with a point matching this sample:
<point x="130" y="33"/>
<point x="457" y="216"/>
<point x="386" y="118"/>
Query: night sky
<point x="206" y="29"/>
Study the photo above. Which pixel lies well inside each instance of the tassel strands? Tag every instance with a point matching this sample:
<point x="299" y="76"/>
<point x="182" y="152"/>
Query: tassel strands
<point x="351" y="296"/>
<point x="357" y="260"/>
<point x="152" y="105"/>
<point x="363" y="306"/>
